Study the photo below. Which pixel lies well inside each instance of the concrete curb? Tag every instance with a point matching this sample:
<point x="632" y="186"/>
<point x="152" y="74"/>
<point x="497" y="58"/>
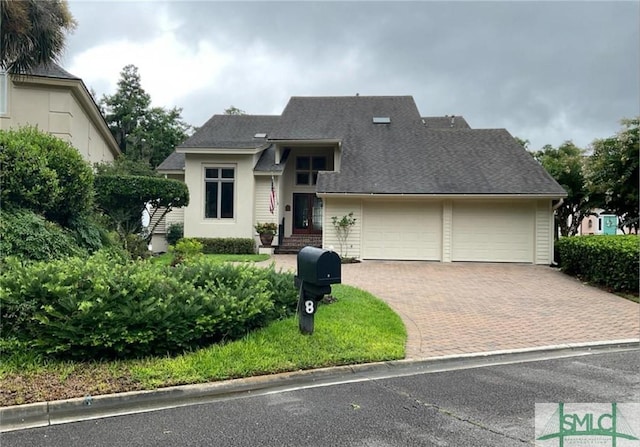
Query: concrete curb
<point x="93" y="407"/>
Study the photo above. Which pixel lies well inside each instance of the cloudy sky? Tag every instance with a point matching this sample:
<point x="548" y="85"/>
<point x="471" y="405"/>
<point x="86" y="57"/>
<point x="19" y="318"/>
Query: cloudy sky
<point x="546" y="71"/>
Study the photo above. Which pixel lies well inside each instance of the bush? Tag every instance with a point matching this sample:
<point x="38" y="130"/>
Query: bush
<point x="228" y="246"/>
<point x="89" y="232"/>
<point x="137" y="246"/>
<point x="185" y="249"/>
<point x="28" y="236"/>
<point x="175" y="233"/>
<point x="44" y="174"/>
<point x="609" y="261"/>
<point x="105" y="307"/>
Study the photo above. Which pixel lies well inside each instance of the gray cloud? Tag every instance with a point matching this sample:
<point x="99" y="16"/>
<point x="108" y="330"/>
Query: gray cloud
<point x="546" y="71"/>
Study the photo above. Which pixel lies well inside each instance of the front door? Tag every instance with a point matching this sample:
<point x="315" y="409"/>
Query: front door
<point x="307" y="214"/>
<point x="609" y="224"/>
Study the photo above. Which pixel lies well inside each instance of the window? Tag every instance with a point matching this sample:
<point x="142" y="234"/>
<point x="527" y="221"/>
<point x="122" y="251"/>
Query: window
<point x="3" y="92"/>
<point x="307" y="169"/>
<point x="218" y="193"/>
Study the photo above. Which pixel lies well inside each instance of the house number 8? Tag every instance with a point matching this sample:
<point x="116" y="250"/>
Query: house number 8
<point x="308" y="306"/>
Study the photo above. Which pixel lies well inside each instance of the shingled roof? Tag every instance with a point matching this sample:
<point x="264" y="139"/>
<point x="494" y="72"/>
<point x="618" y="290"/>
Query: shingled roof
<point x="387" y="148"/>
<point x="51" y="70"/>
<point x="232" y="131"/>
<point x="465" y="161"/>
<point x="445" y="122"/>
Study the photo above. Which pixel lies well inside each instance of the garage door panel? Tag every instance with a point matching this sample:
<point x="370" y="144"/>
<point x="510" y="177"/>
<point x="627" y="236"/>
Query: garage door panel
<point x="493" y="232"/>
<point x="411" y="231"/>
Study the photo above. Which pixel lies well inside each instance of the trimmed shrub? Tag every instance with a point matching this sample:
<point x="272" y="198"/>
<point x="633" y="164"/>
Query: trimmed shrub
<point x="184" y="249"/>
<point x="28" y="236"/>
<point x="124" y="197"/>
<point x="105" y="307"/>
<point x="174" y="233"/>
<point x="228" y="246"/>
<point x="45" y="174"/>
<point x="609" y="261"/>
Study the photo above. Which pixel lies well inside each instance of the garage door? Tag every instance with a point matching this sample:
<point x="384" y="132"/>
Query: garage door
<point x="406" y="231"/>
<point x="492" y="232"/>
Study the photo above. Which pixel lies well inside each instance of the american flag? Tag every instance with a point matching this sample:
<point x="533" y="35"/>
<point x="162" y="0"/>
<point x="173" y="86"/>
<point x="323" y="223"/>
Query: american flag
<point x="272" y="198"/>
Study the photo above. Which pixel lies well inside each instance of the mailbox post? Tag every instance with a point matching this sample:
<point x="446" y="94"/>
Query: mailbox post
<point x="317" y="270"/>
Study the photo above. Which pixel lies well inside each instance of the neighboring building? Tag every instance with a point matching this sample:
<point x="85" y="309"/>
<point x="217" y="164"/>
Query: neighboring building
<point x="420" y="188"/>
<point x="53" y="100"/>
<point x="601" y="223"/>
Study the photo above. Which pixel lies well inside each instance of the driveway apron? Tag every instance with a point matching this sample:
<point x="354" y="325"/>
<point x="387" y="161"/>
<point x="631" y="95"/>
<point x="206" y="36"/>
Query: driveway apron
<point x="461" y="308"/>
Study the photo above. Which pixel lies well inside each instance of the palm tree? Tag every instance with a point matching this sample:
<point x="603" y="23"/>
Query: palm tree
<point x="32" y="33"/>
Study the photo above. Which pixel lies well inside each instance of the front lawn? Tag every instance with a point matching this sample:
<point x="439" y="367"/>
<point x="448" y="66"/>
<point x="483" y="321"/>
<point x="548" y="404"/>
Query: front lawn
<point x="357" y="328"/>
<point x="165" y="258"/>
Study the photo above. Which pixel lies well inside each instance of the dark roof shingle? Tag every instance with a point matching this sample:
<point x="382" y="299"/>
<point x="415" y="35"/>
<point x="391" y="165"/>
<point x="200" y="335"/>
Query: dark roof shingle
<point x="232" y="131"/>
<point x="408" y="155"/>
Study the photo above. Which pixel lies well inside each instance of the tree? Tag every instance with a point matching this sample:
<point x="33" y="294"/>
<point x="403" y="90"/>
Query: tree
<point x="32" y="33"/>
<point x="566" y="164"/>
<point x="125" y="110"/>
<point x="159" y="134"/>
<point x="613" y="174"/>
<point x="233" y="110"/>
<point x="524" y="143"/>
<point x="124" y="166"/>
<point x="125" y="197"/>
<point x="343" y="227"/>
<point x="144" y="133"/>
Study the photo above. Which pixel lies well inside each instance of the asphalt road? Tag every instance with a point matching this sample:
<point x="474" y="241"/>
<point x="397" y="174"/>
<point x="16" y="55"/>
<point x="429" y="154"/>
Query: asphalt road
<point x="489" y="406"/>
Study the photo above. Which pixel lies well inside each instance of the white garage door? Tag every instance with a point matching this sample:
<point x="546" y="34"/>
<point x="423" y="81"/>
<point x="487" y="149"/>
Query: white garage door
<point x="492" y="232"/>
<point x="402" y="230"/>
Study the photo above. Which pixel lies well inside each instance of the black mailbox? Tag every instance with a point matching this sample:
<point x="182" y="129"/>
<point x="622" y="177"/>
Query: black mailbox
<point x="317" y="270"/>
<point x="318" y="267"/>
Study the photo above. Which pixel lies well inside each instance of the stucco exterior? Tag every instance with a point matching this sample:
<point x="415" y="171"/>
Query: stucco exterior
<point x="61" y="107"/>
<point x="241" y="225"/>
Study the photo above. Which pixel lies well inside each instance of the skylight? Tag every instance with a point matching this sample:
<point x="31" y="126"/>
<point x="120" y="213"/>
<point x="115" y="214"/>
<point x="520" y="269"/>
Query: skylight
<point x="381" y="120"/>
<point x="260" y="135"/>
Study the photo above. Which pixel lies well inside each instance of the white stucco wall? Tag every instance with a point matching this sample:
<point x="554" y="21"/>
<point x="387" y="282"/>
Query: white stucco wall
<point x="241" y="225"/>
<point x="57" y="110"/>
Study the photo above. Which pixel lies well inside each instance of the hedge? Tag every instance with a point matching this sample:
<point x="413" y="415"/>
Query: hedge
<point x="106" y="307"/>
<point x="228" y="246"/>
<point x="609" y="261"/>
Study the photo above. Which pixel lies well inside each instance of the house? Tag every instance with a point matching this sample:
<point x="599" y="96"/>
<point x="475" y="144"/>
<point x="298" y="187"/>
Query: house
<point x="601" y="223"/>
<point x="420" y="188"/>
<point x="55" y="101"/>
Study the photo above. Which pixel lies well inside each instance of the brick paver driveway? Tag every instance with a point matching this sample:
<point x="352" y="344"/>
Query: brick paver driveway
<point x="472" y="307"/>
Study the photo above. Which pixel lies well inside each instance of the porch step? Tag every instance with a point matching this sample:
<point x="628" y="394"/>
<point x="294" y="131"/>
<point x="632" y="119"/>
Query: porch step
<point x="293" y="244"/>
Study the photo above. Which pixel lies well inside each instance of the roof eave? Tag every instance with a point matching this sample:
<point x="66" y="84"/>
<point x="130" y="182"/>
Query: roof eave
<point x="221" y="151"/>
<point x="441" y="196"/>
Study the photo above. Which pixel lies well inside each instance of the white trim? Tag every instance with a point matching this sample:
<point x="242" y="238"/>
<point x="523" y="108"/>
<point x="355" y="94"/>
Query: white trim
<point x="219" y="181"/>
<point x="310" y="142"/>
<point x="435" y="196"/>
<point x="4" y="90"/>
<point x="221" y="151"/>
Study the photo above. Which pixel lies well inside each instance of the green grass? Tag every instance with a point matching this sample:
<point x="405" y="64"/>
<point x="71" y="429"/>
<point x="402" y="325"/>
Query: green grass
<point x="357" y="328"/>
<point x="165" y="258"/>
